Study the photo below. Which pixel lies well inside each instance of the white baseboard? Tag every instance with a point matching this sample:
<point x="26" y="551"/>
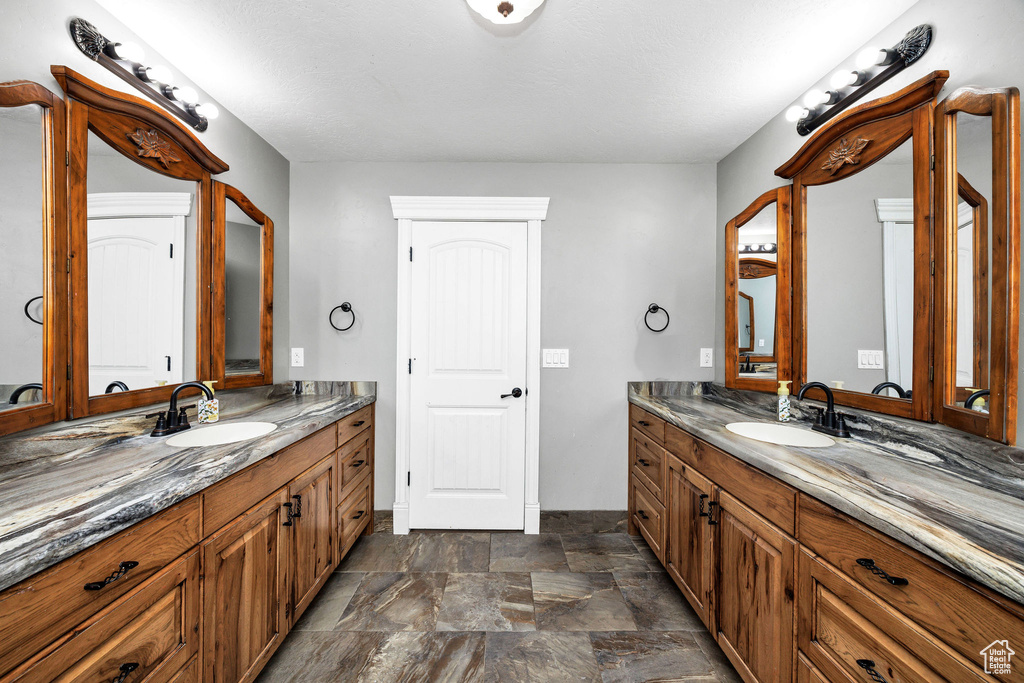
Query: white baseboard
<point x="532" y="519"/>
<point x="401" y="518"/>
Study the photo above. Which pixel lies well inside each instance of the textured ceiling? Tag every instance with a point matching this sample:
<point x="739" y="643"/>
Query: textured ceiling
<point x="617" y="81"/>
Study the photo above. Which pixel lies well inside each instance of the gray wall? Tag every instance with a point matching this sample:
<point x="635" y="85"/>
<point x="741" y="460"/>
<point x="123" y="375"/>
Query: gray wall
<point x="617" y="238"/>
<point x="978" y="44"/>
<point x="35" y="35"/>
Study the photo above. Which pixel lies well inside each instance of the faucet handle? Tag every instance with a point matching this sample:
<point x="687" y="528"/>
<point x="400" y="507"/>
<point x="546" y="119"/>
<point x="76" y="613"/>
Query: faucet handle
<point x="841" y="429"/>
<point x="183" y="417"/>
<point x="161" y="424"/>
<point x="819" y="418"/>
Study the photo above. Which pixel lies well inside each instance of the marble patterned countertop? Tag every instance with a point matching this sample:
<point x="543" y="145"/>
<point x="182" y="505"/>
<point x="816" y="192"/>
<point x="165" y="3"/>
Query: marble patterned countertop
<point x="69" y="485"/>
<point x="955" y="497"/>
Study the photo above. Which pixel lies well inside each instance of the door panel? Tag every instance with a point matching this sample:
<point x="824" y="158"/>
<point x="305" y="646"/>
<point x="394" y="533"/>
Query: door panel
<point x="312" y="499"/>
<point x="468" y="444"/>
<point x="688" y="551"/>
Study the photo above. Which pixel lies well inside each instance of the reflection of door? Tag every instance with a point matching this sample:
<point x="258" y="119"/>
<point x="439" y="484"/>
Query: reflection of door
<point x="136" y="295"/>
<point x="897" y="219"/>
<point x="468" y="334"/>
<point x="965" y="306"/>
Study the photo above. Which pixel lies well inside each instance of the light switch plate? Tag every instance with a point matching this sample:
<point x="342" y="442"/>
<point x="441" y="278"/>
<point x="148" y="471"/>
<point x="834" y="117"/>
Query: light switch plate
<point x="707" y="358"/>
<point x="555" y="358"/>
<point x="298" y="358"/>
<point x="870" y="360"/>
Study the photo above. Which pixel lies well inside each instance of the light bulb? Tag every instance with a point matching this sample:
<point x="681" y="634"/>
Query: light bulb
<point x="766" y="247"/>
<point x="184" y="94"/>
<point x="814" y="98"/>
<point x="159" y="74"/>
<point x="795" y="113"/>
<point x="870" y="57"/>
<point x="208" y="110"/>
<point x="129" y="52"/>
<point x="843" y="79"/>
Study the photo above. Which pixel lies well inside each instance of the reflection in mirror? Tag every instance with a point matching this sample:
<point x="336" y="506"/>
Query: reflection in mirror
<point x="860" y="277"/>
<point x="243" y="251"/>
<point x="142" y="274"/>
<point x="21" y="257"/>
<point x="971" y="276"/>
<point x="757" y="240"/>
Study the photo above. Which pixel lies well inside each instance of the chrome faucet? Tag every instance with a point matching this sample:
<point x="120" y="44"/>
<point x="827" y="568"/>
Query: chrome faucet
<point x="176" y="420"/>
<point x="828" y="422"/>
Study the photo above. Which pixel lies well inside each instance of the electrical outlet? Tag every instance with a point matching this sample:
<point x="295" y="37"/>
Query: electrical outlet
<point x="298" y="358"/>
<point x="760" y="343"/>
<point x="706" y="358"/>
<point x="555" y="358"/>
<point x="870" y="360"/>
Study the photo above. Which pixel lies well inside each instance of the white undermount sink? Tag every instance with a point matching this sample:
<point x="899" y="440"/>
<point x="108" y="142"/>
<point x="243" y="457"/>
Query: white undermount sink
<point x="780" y="434"/>
<point x="216" y="435"/>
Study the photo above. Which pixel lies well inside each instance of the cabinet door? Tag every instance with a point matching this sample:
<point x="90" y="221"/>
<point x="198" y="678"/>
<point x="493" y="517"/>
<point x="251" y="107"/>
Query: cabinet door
<point x="753" y="592"/>
<point x="688" y="549"/>
<point x="245" y="592"/>
<point x="312" y="499"/>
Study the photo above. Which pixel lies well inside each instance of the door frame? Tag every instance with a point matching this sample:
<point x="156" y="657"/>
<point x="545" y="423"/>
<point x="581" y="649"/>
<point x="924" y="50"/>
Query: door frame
<point x="408" y="211"/>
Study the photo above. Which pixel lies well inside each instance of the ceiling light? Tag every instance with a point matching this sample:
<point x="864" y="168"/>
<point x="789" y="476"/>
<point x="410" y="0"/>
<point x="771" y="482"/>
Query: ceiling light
<point x="505" y="12"/>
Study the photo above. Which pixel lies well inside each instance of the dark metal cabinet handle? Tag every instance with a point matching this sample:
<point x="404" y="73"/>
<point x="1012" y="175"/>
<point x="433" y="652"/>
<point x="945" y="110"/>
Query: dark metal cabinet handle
<point x="358" y="514"/>
<point x="298" y="507"/>
<point x="122" y="571"/>
<point x="869" y="667"/>
<point x="703" y="497"/>
<point x="643" y="515"/>
<point x="287" y="522"/>
<point x="643" y="462"/>
<point x="877" y="571"/>
<point x="642" y="423"/>
<point x="359" y="424"/>
<point x="357" y="463"/>
<point x="516" y="393"/>
<point x="711" y="513"/>
<point x="126" y="670"/>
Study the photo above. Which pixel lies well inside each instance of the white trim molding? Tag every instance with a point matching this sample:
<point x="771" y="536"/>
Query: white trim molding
<point x="125" y="204"/>
<point x="895" y="210"/>
<point x="409" y="210"/>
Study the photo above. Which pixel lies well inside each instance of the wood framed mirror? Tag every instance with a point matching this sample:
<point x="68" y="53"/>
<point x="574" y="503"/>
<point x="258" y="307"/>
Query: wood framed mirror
<point x="977" y="274"/>
<point x="757" y="301"/>
<point x="140" y="208"/>
<point x="862" y="290"/>
<point x="33" y="273"/>
<point x="243" y="292"/>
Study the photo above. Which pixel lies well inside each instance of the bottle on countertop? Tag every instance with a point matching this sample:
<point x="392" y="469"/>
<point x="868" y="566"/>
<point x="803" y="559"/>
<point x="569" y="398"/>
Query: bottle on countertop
<point x="209" y="409"/>
<point x="784" y="401"/>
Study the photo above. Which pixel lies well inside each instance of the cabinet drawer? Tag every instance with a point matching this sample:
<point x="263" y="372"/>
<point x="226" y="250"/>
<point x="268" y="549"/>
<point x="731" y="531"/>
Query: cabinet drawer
<point x="847" y="633"/>
<point x="649" y="516"/>
<point x="356" y="458"/>
<point x="649" y="463"/>
<point x="229" y="499"/>
<point x="949" y="606"/>
<point x="39" y="612"/>
<point x="653" y="426"/>
<point x="354" y="514"/>
<point x="807" y="673"/>
<point x="152" y="634"/>
<point x="354" y="423"/>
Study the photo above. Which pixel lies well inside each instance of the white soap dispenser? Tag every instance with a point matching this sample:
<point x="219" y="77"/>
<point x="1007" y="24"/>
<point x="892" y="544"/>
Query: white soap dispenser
<point x="784" y="401"/>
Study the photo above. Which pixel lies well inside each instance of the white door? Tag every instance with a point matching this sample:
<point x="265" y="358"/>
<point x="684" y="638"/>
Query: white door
<point x="468" y="335"/>
<point x="136" y="301"/>
<point x="965" y="306"/>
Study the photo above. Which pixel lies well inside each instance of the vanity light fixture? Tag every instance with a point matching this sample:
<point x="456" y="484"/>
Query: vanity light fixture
<point x="874" y="67"/>
<point x="759" y="248"/>
<point x="125" y="60"/>
<point x="504" y="12"/>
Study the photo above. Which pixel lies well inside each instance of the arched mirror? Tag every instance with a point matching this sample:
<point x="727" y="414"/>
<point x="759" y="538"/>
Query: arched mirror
<point x="757" y="300"/>
<point x="32" y="271"/>
<point x="977" y="273"/>
<point x="243" y="292"/>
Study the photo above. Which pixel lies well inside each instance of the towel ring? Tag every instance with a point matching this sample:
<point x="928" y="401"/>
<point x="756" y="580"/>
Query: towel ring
<point x="346" y="308"/>
<point x="29" y="315"/>
<point x="654" y="308"/>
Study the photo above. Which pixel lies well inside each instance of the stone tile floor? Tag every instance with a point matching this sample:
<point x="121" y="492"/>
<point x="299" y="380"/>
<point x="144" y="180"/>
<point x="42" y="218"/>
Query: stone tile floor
<point x="582" y="601"/>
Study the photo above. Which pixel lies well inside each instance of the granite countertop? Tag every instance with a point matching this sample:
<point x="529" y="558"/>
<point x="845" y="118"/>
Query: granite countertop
<point x="955" y="497"/>
<point x="69" y="485"/>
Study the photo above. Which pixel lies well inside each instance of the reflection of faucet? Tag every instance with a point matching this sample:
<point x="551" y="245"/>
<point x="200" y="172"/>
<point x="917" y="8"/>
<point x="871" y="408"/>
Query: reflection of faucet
<point x="970" y="399"/>
<point x="16" y="394"/>
<point x="746" y="366"/>
<point x="892" y="385"/>
<point x="828" y="422"/>
<point x="175" y="421"/>
<point x="116" y="385"/>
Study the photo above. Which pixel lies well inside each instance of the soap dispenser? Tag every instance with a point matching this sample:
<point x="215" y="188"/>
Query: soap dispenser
<point x="209" y="409"/>
<point x="784" y="401"/>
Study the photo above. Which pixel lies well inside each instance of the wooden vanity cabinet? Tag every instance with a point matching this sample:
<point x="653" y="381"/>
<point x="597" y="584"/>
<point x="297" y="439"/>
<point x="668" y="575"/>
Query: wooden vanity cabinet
<point x="688" y="545"/>
<point x="314" y="539"/>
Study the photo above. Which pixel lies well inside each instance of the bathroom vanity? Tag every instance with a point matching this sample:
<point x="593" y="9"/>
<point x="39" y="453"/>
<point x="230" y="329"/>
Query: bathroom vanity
<point x="136" y="560"/>
<point x="897" y="552"/>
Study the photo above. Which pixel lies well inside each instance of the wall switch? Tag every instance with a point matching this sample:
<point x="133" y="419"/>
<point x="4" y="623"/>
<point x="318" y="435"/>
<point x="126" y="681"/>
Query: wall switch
<point x="298" y="358"/>
<point x="706" y="358"/>
<point x="870" y="360"/>
<point x="555" y="358"/>
<point x="760" y="342"/>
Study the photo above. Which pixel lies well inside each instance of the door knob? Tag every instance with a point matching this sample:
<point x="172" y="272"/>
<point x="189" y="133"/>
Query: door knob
<point x="516" y="393"/>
